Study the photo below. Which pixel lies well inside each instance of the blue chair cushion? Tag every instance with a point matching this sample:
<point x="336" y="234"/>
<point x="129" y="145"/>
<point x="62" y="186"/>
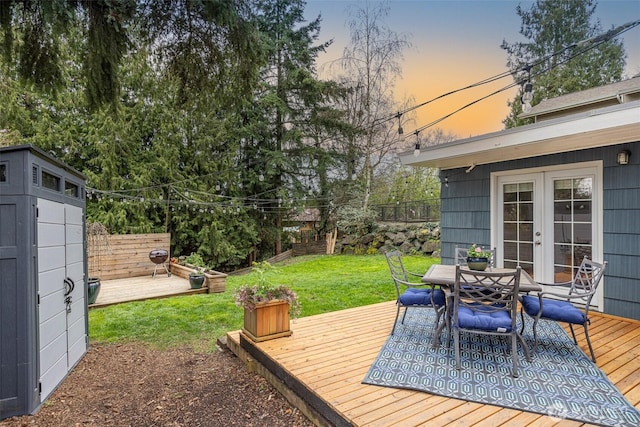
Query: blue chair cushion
<point x="421" y="296"/>
<point x="483" y="320"/>
<point x="560" y="311"/>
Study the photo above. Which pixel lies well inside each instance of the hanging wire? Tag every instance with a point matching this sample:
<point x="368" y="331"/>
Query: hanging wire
<point x="585" y="45"/>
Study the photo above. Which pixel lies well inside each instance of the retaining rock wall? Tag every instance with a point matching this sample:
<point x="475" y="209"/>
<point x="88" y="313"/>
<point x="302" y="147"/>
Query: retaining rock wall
<point x="408" y="238"/>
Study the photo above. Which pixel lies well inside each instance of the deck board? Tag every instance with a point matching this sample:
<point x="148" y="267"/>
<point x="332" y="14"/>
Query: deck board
<point x="140" y="288"/>
<point x="329" y="354"/>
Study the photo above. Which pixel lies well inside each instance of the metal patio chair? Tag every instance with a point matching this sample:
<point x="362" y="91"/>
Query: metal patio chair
<point x="571" y="306"/>
<point x="410" y="294"/>
<point x="486" y="302"/>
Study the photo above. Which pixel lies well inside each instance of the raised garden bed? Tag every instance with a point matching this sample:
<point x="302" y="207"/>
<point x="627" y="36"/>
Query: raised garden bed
<point x="215" y="281"/>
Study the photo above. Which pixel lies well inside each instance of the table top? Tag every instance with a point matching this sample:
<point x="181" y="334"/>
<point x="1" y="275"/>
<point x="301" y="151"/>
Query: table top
<point x="445" y="275"/>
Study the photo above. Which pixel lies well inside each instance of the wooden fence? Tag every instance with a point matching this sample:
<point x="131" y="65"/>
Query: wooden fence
<point x="126" y="255"/>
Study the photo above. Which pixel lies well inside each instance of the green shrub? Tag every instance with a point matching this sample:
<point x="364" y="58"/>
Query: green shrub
<point x="195" y="259"/>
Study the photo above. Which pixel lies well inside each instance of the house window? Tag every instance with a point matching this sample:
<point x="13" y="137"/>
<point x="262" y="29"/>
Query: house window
<point x="3" y="172"/>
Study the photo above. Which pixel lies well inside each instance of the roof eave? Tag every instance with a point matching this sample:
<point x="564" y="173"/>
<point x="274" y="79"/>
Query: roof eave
<point x="607" y="126"/>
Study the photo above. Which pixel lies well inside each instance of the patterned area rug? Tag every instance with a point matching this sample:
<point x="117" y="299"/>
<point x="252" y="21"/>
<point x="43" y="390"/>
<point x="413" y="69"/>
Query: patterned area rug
<point x="560" y="381"/>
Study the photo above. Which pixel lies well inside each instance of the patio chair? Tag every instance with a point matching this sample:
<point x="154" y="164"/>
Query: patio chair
<point x="486" y="303"/>
<point x="409" y="294"/>
<point x="570" y="306"/>
<point x="461" y="254"/>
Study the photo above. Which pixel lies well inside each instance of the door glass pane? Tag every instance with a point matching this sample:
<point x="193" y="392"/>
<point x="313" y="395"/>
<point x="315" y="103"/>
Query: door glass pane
<point x="572" y="224"/>
<point x="562" y="232"/>
<point x="517" y="230"/>
<point x="526" y="211"/>
<point x="582" y="188"/>
<point x="510" y="193"/>
<point x="526" y="231"/>
<point x="582" y="211"/>
<point x="511" y="231"/>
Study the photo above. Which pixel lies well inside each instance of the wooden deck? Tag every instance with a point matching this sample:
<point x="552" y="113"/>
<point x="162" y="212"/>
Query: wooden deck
<point x="140" y="288"/>
<point x="321" y="366"/>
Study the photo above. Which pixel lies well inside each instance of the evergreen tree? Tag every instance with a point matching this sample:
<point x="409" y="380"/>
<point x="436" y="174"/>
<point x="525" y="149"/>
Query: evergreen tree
<point x="558" y="57"/>
<point x="155" y="165"/>
<point x="276" y="159"/>
<point x="191" y="36"/>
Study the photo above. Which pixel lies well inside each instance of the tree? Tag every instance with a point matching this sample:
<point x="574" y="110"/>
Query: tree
<point x="154" y="165"/>
<point x="397" y="183"/>
<point x="276" y="160"/>
<point x="559" y="57"/>
<point x="192" y="36"/>
<point x="370" y="64"/>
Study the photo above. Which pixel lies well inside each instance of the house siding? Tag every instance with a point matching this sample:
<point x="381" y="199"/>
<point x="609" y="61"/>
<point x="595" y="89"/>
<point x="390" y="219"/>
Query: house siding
<point x="465" y="216"/>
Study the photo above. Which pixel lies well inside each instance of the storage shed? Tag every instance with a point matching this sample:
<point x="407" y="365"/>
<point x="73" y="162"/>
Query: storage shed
<point x="43" y="310"/>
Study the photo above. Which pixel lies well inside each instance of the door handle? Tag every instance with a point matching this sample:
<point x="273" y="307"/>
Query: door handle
<point x="68" y="288"/>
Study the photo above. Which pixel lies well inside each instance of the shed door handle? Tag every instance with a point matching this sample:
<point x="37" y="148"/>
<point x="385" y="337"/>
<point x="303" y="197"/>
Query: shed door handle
<point x="68" y="286"/>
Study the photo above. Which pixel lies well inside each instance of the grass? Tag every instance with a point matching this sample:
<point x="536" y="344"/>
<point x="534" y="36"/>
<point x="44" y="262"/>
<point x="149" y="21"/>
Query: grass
<point x="323" y="284"/>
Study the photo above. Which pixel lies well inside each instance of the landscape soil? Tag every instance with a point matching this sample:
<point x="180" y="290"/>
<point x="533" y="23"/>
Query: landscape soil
<point x="136" y="385"/>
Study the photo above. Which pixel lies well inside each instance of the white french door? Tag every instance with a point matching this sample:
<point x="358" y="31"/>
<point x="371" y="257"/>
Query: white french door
<point x="547" y="220"/>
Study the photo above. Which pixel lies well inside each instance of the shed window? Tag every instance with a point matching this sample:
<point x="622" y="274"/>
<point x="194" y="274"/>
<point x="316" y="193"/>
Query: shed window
<point x="50" y="181"/>
<point x="71" y="189"/>
<point x="34" y="175"/>
<point x="3" y="173"/>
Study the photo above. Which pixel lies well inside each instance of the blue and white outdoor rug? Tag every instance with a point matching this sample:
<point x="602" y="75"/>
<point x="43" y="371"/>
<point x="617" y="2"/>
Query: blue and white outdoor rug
<point x="560" y="381"/>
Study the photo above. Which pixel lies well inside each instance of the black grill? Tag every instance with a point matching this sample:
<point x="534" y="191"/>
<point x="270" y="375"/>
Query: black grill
<point x="159" y="257"/>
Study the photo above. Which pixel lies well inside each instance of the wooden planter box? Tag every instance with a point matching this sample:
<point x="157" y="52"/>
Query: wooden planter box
<point x="214" y="280"/>
<point x="268" y="321"/>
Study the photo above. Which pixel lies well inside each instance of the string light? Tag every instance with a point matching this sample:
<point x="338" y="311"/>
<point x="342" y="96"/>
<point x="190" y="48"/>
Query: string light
<point x="400" y="130"/>
<point x="416" y="151"/>
<point x="527" y="92"/>
<point x="584" y="46"/>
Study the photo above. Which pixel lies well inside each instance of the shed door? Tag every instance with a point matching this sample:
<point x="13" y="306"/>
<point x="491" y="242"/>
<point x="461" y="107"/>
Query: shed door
<point x="62" y="330"/>
<point x="549" y="220"/>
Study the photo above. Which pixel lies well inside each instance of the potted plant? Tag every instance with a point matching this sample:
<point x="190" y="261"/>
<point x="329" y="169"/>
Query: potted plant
<point x="268" y="308"/>
<point x="477" y="258"/>
<point x="193" y="265"/>
<point x="196" y="277"/>
<point x="97" y="244"/>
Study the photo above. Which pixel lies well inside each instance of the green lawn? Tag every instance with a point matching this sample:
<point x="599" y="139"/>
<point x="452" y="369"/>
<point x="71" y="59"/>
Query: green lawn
<point x="323" y="284"/>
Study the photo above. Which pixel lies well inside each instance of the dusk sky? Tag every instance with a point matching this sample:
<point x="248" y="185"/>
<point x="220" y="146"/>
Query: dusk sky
<point x="456" y="43"/>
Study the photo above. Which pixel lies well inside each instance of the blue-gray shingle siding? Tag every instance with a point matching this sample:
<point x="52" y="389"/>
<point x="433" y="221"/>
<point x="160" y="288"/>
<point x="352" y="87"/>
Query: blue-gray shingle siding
<point x="465" y="216"/>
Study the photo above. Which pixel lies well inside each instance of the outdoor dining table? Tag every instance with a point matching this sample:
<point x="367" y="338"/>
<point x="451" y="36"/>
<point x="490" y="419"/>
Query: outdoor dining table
<point x="445" y="276"/>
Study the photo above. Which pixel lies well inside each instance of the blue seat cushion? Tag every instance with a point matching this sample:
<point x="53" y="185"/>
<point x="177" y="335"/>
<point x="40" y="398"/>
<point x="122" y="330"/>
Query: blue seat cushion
<point x="560" y="311"/>
<point x="421" y="296"/>
<point x="483" y="320"/>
